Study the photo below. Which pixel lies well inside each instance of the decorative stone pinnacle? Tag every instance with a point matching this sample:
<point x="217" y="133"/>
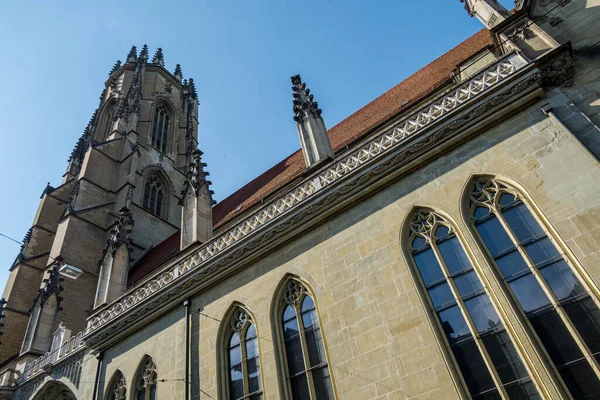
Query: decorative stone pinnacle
<point x="304" y="103"/>
<point x="115" y="67"/>
<point x="178" y="74"/>
<point x="158" y="57"/>
<point x="129" y="197"/>
<point x="144" y="53"/>
<point x="132" y="56"/>
<point x="193" y="88"/>
<point x="120" y="232"/>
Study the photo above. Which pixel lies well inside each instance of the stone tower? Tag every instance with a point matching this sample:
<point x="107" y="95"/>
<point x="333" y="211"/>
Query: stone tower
<point x="120" y="195"/>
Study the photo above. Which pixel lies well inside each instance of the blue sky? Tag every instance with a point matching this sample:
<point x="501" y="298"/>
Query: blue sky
<point x="56" y="56"/>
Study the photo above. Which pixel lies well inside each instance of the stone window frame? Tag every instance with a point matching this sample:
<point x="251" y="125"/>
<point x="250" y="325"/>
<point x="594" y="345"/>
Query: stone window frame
<point x="108" y="116"/>
<point x="237" y="319"/>
<point x="279" y="305"/>
<point x="117" y="387"/>
<point x="504" y="185"/>
<point x="165" y="146"/>
<point x="409" y="232"/>
<point x="147" y="375"/>
<point x="161" y="177"/>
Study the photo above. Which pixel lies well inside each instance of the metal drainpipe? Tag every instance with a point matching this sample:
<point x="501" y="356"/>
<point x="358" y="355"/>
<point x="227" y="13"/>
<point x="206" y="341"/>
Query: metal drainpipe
<point x="97" y="380"/>
<point x="547" y="110"/>
<point x="186" y="304"/>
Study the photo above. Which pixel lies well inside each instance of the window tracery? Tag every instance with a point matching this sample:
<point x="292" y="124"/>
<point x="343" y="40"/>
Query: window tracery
<point x="160" y="128"/>
<point x="482" y="348"/>
<point x="308" y="373"/>
<point x="244" y="377"/>
<point x="118" y="388"/>
<point x="544" y="282"/>
<point x="154" y="195"/>
<point x="146" y="380"/>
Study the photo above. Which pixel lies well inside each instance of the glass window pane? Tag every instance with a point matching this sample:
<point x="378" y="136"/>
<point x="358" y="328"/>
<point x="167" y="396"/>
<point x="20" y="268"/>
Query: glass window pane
<point x="504" y="356"/>
<point x="300" y="388"/>
<point x="309" y="319"/>
<point x="251" y="332"/>
<point x="555" y="337"/>
<point x="307" y="304"/>
<point x="511" y="264"/>
<point x="235" y="356"/>
<point x="482" y="313"/>
<point x="153" y="392"/>
<point x="581" y="380"/>
<point x="440" y="295"/>
<point x="323" y="387"/>
<point x="290" y="327"/>
<point x="141" y="394"/>
<point x="442" y="231"/>
<point x="235" y="340"/>
<point x="454" y="256"/>
<point x="418" y="242"/>
<point x="562" y="281"/>
<point x="541" y="250"/>
<point x="585" y="315"/>
<point x="529" y="293"/>
<point x="506" y="199"/>
<point x="494" y="236"/>
<point x="428" y="266"/>
<point x="454" y="324"/>
<point x="480" y="212"/>
<point x="236" y="382"/>
<point x="253" y="375"/>
<point x="526" y="390"/>
<point x="252" y="348"/>
<point x="522" y="223"/>
<point x="314" y="342"/>
<point x="467" y="283"/>
<point x="293" y="350"/>
<point x="289" y="313"/>
<point x="473" y="368"/>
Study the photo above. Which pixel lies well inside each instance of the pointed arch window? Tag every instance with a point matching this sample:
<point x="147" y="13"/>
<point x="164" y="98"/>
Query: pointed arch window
<point x="160" y="128"/>
<point x="145" y="383"/>
<point x="243" y="361"/>
<point x="154" y="195"/>
<point x="308" y="373"/>
<point x="484" y="352"/>
<point x="117" y="389"/>
<point x="542" y="279"/>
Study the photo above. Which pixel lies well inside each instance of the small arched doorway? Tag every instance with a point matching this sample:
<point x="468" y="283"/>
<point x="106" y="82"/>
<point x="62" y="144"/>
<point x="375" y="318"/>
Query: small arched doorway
<point x="54" y="390"/>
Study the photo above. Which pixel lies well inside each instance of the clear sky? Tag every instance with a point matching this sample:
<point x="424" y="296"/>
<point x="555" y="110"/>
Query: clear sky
<point x="56" y="55"/>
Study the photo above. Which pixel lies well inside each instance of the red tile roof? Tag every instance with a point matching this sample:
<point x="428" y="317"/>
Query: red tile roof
<point x="356" y="125"/>
<point x="414" y="88"/>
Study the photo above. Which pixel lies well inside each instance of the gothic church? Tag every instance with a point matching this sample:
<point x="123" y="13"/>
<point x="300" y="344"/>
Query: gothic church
<point x="442" y="242"/>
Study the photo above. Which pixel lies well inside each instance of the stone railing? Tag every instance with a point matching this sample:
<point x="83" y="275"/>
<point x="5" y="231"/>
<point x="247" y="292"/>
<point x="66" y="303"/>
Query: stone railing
<point x="70" y="347"/>
<point x="434" y="111"/>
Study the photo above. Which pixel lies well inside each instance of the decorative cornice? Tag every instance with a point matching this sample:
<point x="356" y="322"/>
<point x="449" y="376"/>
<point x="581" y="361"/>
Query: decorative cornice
<point x="278" y="216"/>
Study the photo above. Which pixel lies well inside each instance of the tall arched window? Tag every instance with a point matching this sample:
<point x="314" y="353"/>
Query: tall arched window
<point x="160" y="128"/>
<point x="145" y="383"/>
<point x="243" y="359"/>
<point x="560" y="307"/>
<point x="117" y="389"/>
<point x="484" y="352"/>
<point x="154" y="194"/>
<point x="307" y="369"/>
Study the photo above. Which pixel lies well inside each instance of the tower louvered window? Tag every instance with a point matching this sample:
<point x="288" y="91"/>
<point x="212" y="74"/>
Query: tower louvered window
<point x="243" y="358"/>
<point x="145" y="384"/>
<point x="160" y="128"/>
<point x="560" y="307"/>
<point x="307" y="368"/>
<point x="153" y="195"/>
<point x="484" y="352"/>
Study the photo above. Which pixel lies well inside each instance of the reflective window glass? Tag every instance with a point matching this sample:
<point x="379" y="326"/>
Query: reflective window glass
<point x="454" y="324"/>
<point x="522" y="223"/>
<point x="467" y="283"/>
<point x="494" y="236"/>
<point x="482" y="313"/>
<point x="440" y="295"/>
<point x="529" y="293"/>
<point x="454" y="256"/>
<point x="428" y="266"/>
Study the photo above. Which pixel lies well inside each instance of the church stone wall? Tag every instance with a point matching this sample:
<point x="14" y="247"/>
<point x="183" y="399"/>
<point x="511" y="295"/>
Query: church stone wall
<point x="378" y="330"/>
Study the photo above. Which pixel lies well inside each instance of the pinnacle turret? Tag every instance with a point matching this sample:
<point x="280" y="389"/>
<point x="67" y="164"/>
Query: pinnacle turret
<point x="192" y="89"/>
<point x="115" y="67"/>
<point x="132" y="56"/>
<point x="178" y="74"/>
<point x="143" y="53"/>
<point x="158" y="57"/>
<point x="303" y="101"/>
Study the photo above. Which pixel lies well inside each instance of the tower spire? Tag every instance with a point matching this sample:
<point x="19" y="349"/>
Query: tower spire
<point x="158" y="57"/>
<point x="311" y="127"/>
